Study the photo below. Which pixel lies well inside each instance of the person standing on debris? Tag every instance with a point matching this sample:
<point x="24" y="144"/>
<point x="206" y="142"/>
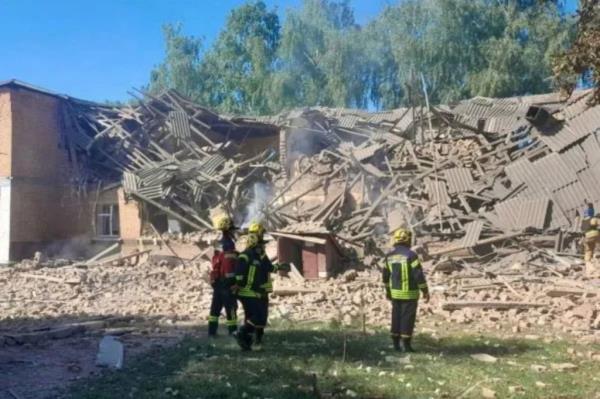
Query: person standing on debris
<point x="266" y="264"/>
<point x="250" y="278"/>
<point x="589" y="226"/>
<point x="404" y="279"/>
<point x="222" y="278"/>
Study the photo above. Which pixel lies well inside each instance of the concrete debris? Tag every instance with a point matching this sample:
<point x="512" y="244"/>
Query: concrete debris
<point x="488" y="393"/>
<point x="484" y="357"/>
<point x="564" y="366"/>
<point x="110" y="353"/>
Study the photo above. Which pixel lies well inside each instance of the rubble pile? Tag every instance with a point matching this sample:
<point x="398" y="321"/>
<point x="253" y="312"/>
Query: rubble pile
<point x="476" y="181"/>
<point x="521" y="298"/>
<point x="492" y="189"/>
<point x="166" y="153"/>
<point x="152" y="290"/>
<point x="511" y="301"/>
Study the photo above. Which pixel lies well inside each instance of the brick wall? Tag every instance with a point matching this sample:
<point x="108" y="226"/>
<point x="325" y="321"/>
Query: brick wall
<point x="44" y="207"/>
<point x="5" y="133"/>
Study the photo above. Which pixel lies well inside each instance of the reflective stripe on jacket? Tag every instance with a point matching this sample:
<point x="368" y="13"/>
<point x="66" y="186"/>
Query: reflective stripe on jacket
<point x="403" y="274"/>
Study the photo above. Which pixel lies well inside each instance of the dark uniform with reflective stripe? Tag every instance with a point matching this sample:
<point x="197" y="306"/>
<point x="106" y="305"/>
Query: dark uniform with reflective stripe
<point x="251" y="277"/>
<point x="266" y="289"/>
<point x="404" y="279"/>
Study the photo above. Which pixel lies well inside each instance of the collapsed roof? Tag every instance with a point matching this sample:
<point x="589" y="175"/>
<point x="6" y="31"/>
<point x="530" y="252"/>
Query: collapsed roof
<point x="480" y="171"/>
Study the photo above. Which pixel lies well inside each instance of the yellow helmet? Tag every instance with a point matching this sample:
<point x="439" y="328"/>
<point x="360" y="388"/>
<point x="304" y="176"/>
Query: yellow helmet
<point x="223" y="223"/>
<point x="251" y="240"/>
<point x="256" y="228"/>
<point x="402" y="236"/>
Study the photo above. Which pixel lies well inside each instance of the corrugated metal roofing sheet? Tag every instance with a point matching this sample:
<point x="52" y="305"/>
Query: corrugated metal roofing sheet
<point x="485" y="108"/>
<point x="522" y="171"/>
<point x="212" y="164"/>
<point x="348" y="121"/>
<point x="576" y="108"/>
<point x="575" y="158"/>
<point x="590" y="178"/>
<point x="573" y="130"/>
<point x="130" y="182"/>
<point x="571" y="198"/>
<point x="180" y="124"/>
<point x="459" y="180"/>
<point x="553" y="172"/>
<point x="592" y="150"/>
<point x="558" y="218"/>
<point x="405" y="120"/>
<point x="152" y="192"/>
<point x="518" y="214"/>
<point x="472" y="233"/>
<point x="441" y="190"/>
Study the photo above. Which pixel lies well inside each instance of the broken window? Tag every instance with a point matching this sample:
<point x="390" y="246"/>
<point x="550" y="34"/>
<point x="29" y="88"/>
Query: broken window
<point x="107" y="221"/>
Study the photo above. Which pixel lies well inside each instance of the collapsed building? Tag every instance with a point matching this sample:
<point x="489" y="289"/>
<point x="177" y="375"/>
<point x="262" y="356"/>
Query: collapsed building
<point x="480" y="180"/>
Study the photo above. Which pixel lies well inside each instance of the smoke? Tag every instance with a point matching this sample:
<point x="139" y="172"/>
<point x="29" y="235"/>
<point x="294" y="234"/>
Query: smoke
<point x="256" y="209"/>
<point x="74" y="248"/>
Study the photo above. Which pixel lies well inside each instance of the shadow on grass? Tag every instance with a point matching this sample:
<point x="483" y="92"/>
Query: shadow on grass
<point x="285" y="368"/>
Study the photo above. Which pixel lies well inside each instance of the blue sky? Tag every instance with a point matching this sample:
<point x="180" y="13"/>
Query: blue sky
<point x="97" y="50"/>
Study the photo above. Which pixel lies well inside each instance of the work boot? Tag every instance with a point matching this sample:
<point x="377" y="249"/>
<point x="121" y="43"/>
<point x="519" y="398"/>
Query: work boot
<point x="406" y="343"/>
<point x="244" y="339"/>
<point x="398" y="344"/>
<point x="259" y="336"/>
<point x="212" y="329"/>
<point x="232" y="329"/>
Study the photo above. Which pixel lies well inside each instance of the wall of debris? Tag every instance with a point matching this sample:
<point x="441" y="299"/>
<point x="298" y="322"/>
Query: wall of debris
<point x="476" y="179"/>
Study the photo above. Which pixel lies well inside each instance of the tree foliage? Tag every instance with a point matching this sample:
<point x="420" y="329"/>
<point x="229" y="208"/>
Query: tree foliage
<point x="583" y="58"/>
<point x="238" y="69"/>
<point x="320" y="55"/>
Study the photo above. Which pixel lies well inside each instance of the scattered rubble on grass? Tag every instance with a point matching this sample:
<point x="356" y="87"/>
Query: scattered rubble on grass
<point x="172" y="295"/>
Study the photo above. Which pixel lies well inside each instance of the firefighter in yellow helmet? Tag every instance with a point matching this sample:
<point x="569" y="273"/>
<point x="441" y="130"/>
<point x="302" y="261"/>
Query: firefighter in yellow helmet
<point x="258" y="229"/>
<point x="222" y="278"/>
<point x="404" y="281"/>
<point x="254" y="284"/>
<point x="250" y="277"/>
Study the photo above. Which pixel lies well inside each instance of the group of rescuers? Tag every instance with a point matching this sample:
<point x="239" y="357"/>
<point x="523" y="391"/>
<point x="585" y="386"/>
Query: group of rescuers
<point x="246" y="277"/>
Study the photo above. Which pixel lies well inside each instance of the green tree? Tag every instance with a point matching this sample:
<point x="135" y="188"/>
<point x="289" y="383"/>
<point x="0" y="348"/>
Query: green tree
<point x="180" y="68"/>
<point x="519" y="61"/>
<point x="321" y="57"/>
<point x="464" y="48"/>
<point x="582" y="61"/>
<point x="238" y="70"/>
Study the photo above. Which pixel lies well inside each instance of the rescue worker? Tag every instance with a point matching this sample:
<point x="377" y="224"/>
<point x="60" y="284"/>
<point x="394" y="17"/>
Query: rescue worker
<point x="404" y="279"/>
<point x="250" y="278"/>
<point x="222" y="278"/>
<point x="267" y="288"/>
<point x="590" y="225"/>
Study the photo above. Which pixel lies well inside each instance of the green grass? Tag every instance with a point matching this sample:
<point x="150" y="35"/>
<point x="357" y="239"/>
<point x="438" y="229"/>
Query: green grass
<point x="368" y="368"/>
